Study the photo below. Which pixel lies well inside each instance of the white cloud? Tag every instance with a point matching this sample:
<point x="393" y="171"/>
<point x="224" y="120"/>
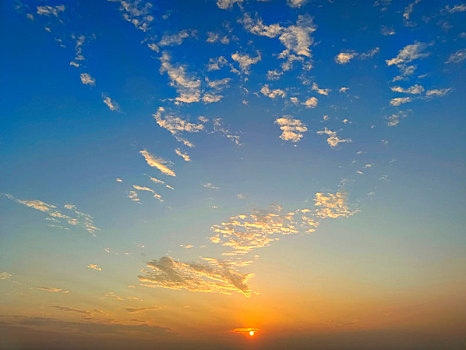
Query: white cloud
<point x="257" y="27"/>
<point x="311" y="102"/>
<point x="158" y="163"/>
<point x="219" y="128"/>
<point x="315" y="87"/>
<point x="343" y="89"/>
<point x="333" y="140"/>
<point x="188" y="87"/>
<point x="110" y="104"/>
<point x="394" y="119"/>
<point x="86" y="79"/>
<point x="438" y="92"/>
<point x="415" y="89"/>
<point x="456" y="8"/>
<point x="409" y="53"/>
<point x="344" y="57"/>
<point x="400" y="100"/>
<point x="292" y="129"/>
<point x="226" y="4"/>
<point x="457" y="57"/>
<point x="147" y="189"/>
<point x="272" y="93"/>
<point x="216" y="63"/>
<point x="331" y="205"/>
<point x="50" y="10"/>
<point x="174" y="39"/>
<point x="210" y="186"/>
<point x="137" y="12"/>
<point x="245" y="61"/>
<point x="296" y="3"/>
<point x="297" y="38"/>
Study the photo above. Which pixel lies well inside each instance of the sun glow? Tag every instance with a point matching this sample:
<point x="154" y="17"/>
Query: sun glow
<point x="251" y="333"/>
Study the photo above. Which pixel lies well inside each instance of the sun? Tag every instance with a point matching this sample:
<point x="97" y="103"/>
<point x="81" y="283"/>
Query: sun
<point x="251" y="333"/>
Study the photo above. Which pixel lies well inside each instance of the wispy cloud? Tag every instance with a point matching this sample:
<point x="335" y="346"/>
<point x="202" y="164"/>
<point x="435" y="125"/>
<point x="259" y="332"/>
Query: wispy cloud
<point x="157" y="163"/>
<point x="329" y="205"/>
<point x="174" y="39"/>
<point x="272" y="93"/>
<point x="95" y="267"/>
<point x="333" y="140"/>
<point x="185" y="156"/>
<point x="137" y="12"/>
<point x="400" y="100"/>
<point x="245" y="61"/>
<point x="53" y="290"/>
<point x="457" y="57"/>
<point x="5" y="275"/>
<point x="209" y="276"/>
<point x="59" y="219"/>
<point x="110" y="104"/>
<point x="50" y="10"/>
<point x="415" y="89"/>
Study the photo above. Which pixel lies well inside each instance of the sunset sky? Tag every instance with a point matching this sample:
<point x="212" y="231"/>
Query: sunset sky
<point x="232" y="174"/>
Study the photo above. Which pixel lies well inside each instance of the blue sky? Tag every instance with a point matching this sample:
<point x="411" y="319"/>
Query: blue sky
<point x="192" y="153"/>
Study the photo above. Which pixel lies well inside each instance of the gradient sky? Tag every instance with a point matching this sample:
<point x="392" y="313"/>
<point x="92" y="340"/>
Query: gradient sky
<point x="176" y="174"/>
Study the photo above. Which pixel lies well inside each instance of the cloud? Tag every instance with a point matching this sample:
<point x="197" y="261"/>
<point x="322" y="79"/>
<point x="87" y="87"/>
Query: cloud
<point x="333" y="140"/>
<point x="174" y="39"/>
<point x="457" y="57"/>
<point x="158" y="163"/>
<point x="110" y="104"/>
<point x="315" y="87"/>
<point x="5" y="275"/>
<point x="406" y="55"/>
<point x="86" y="79"/>
<point x="438" y="92"/>
<point x="409" y="53"/>
<point x="415" y="89"/>
<point x="176" y="125"/>
<point x="137" y="12"/>
<point x="244" y="233"/>
<point x="210" y="186"/>
<point x="400" y="100"/>
<point x="219" y="128"/>
<point x="245" y="61"/>
<point x="331" y="205"/>
<point x="297" y="38"/>
<point x="183" y="155"/>
<point x="226" y="4"/>
<point x="257" y="27"/>
<point x="209" y="276"/>
<point x="216" y="63"/>
<point x="215" y="37"/>
<point x="296" y="3"/>
<point x="456" y="8"/>
<point x="50" y="10"/>
<point x="118" y="179"/>
<point x="344" y="57"/>
<point x="55" y="218"/>
<point x="311" y="102"/>
<point x="394" y="119"/>
<point x="95" y="267"/>
<point x="343" y="89"/>
<point x="188" y="87"/>
<point x="409" y="9"/>
<point x="53" y="290"/>
<point x="133" y="195"/>
<point x="114" y="296"/>
<point x="292" y="129"/>
<point x="272" y="93"/>
<point x="141" y="309"/>
<point x="70" y="309"/>
<point x="147" y="189"/>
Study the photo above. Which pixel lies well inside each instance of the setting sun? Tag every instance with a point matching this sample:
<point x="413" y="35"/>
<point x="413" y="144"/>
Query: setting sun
<point x="251" y="333"/>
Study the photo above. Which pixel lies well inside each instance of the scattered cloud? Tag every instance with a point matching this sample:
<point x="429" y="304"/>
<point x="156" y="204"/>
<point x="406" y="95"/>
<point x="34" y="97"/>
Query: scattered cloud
<point x="158" y="163"/>
<point x="141" y="309"/>
<point x="316" y="88"/>
<point x="53" y="290"/>
<point x="5" y="275"/>
<point x="333" y="140"/>
<point x="86" y="79"/>
<point x="183" y="155"/>
<point x="137" y="12"/>
<point x="110" y="104"/>
<point x="210" y="186"/>
<point x="456" y="8"/>
<point x="296" y="3"/>
<point x="329" y="205"/>
<point x="245" y="61"/>
<point x="56" y="218"/>
<point x="415" y="90"/>
<point x="457" y="57"/>
<point x="209" y="276"/>
<point x="147" y="189"/>
<point x="95" y="267"/>
<point x="174" y="39"/>
<point x="292" y="129"/>
<point x="344" y="57"/>
<point x="438" y="92"/>
<point x="50" y="10"/>
<point x="311" y="102"/>
<point x="272" y="93"/>
<point x="406" y="55"/>
<point x="400" y="100"/>
<point x="394" y="119"/>
<point x="226" y="4"/>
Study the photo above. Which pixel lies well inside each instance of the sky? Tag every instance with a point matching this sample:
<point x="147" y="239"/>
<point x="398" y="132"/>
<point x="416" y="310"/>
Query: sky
<point x="232" y="174"/>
